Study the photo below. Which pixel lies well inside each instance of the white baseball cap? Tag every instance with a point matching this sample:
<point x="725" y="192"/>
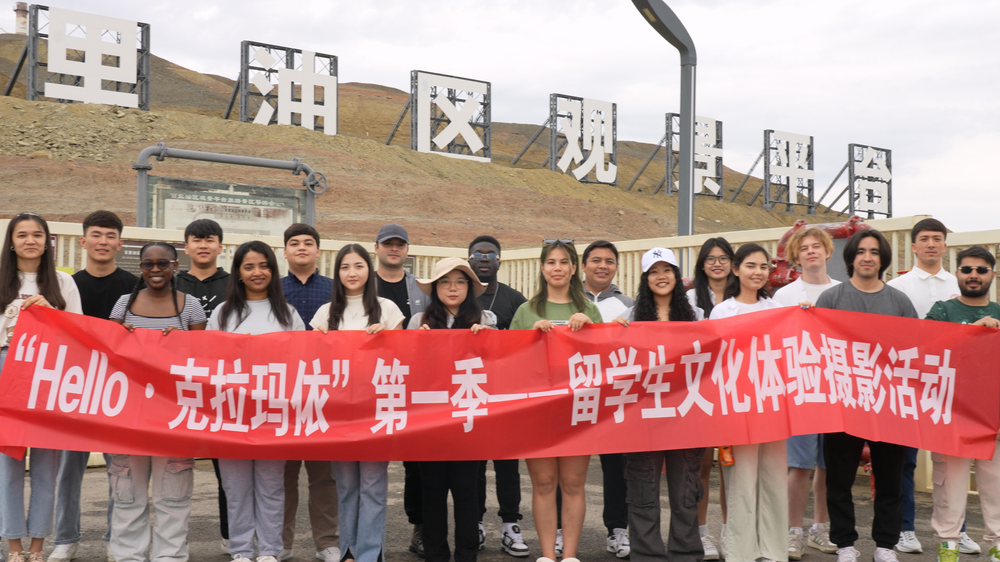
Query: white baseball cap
<point x="655" y="255"/>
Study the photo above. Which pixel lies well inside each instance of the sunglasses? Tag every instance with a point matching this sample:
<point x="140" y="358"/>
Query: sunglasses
<point x="548" y="241"/>
<point x="148" y="265"/>
<point x="980" y="269"/>
<point x="479" y="255"/>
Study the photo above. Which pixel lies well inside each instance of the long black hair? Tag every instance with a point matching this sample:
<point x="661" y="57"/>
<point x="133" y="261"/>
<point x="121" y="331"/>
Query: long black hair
<point x="142" y="281"/>
<point x="680" y="306"/>
<point x="338" y="297"/>
<point x="854" y="242"/>
<point x="537" y="302"/>
<point x="236" y="294"/>
<point x="745" y="251"/>
<point x="702" y="290"/>
<point x="469" y="312"/>
<point x="48" y="280"/>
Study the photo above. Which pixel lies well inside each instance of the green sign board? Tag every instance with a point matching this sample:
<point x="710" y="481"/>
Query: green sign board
<point x="256" y="210"/>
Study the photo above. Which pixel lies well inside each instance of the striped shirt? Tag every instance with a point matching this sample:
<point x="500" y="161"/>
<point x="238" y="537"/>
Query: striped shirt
<point x="191" y="313"/>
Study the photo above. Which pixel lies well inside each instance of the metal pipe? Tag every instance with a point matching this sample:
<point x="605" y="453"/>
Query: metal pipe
<point x="315" y="182"/>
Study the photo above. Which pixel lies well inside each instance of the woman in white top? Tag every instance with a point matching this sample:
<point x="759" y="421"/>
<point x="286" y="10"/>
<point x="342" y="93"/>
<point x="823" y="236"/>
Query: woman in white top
<point x="28" y="276"/>
<point x="453" y="289"/>
<point x="362" y="486"/>
<point x="255" y="489"/>
<point x="757" y="484"/>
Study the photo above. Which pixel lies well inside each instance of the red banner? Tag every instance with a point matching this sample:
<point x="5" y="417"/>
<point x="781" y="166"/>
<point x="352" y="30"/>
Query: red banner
<point x="73" y="382"/>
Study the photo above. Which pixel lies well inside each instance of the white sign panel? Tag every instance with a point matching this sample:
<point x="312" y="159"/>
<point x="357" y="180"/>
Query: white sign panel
<point x="873" y="195"/>
<point x="94" y="48"/>
<point x="793" y="154"/>
<point x="308" y="80"/>
<point x="597" y="119"/>
<point x="461" y="117"/>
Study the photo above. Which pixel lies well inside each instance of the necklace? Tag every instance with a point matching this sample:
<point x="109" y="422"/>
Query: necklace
<point x="490" y="308"/>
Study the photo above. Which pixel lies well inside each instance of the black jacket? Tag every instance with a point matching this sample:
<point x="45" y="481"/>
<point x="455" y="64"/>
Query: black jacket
<point x="210" y="292"/>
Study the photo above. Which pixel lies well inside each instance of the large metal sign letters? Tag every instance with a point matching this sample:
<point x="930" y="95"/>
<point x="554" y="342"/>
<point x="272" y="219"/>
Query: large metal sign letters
<point x="788" y="171"/>
<point x="707" y="154"/>
<point x="590" y="129"/>
<point x="870" y="180"/>
<point x="88" y="58"/>
<point x="444" y="108"/>
<point x="290" y="87"/>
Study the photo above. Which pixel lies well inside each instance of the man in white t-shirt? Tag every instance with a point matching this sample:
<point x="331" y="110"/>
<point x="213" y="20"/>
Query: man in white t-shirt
<point x="809" y="249"/>
<point x="925" y="284"/>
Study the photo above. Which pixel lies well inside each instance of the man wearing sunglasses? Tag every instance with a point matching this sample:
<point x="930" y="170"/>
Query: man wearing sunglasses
<point x="925" y="284"/>
<point x="972" y="306"/>
<point x="502" y="302"/>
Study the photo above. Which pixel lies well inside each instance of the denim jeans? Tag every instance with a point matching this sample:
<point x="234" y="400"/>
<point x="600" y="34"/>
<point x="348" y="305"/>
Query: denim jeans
<point x="362" y="489"/>
<point x="172" y="482"/>
<point x="69" y="482"/>
<point x="255" y="496"/>
<point x="41" y="506"/>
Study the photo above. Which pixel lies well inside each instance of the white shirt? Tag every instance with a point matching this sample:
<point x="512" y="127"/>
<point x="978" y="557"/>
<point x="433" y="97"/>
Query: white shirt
<point x="693" y="299"/>
<point x="925" y="289"/>
<point x="799" y="291"/>
<point x="354" y="315"/>
<point x="29" y="287"/>
<point x="730" y="307"/>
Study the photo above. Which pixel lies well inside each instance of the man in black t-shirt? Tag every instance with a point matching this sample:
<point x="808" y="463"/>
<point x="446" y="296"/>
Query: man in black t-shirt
<point x="392" y="245"/>
<point x="501" y="301"/>
<point x="100" y="286"/>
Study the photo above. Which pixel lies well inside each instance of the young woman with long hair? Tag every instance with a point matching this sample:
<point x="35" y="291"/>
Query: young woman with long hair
<point x="757" y="483"/>
<point x="661" y="298"/>
<point x="153" y="304"/>
<point x="712" y="273"/>
<point x="560" y="301"/>
<point x="255" y="489"/>
<point x="362" y="486"/>
<point x="28" y="277"/>
<point x="453" y="292"/>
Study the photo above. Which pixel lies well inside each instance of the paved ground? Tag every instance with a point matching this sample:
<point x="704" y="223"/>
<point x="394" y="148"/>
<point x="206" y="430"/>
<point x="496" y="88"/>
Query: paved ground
<point x="204" y="535"/>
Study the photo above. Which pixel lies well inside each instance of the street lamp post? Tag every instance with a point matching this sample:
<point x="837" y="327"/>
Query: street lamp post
<point x="666" y="23"/>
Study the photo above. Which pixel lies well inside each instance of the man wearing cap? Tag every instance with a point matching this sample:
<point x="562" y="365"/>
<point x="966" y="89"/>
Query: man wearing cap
<point x="392" y="245"/>
<point x="600" y="264"/>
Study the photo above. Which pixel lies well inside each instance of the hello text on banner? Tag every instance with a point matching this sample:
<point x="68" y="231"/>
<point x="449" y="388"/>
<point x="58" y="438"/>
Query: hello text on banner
<point x="72" y="382"/>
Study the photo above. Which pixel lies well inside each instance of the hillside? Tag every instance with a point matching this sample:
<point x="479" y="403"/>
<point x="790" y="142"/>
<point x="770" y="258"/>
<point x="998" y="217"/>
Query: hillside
<point x="65" y="160"/>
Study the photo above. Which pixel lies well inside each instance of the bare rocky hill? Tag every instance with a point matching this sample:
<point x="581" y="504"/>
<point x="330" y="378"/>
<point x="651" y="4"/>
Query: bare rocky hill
<point x="64" y="160"/>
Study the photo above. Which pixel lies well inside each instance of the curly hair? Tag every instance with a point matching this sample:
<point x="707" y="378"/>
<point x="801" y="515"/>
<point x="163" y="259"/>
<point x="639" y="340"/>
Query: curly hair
<point x="645" y="303"/>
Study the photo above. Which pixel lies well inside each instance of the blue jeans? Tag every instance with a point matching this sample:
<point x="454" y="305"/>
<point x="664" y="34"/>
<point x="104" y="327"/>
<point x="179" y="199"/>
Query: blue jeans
<point x="909" y="505"/>
<point x="69" y="482"/>
<point x="38" y="523"/>
<point x="362" y="490"/>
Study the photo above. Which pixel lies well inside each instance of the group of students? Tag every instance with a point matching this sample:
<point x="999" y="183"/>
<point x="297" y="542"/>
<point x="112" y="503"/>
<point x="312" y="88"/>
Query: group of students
<point x="764" y="491"/>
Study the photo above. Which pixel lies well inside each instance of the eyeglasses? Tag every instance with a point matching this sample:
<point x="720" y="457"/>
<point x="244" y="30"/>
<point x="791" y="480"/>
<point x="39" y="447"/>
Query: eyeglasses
<point x="548" y="241"/>
<point x="721" y="259"/>
<point x="479" y="255"/>
<point x="148" y="265"/>
<point x="980" y="269"/>
<point x="445" y="282"/>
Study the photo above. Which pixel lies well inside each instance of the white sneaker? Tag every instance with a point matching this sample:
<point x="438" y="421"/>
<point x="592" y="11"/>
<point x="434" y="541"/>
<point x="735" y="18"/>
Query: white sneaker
<point x="285" y="554"/>
<point x="819" y="538"/>
<point x="847" y="554"/>
<point x="482" y="536"/>
<point x="908" y="543"/>
<point x="722" y="542"/>
<point x="266" y="559"/>
<point x="618" y="543"/>
<point x="331" y="554"/>
<point x="885" y="555"/>
<point x="795" y="541"/>
<point x="111" y="557"/>
<point x="559" y="545"/>
<point x="708" y="545"/>
<point x="965" y="545"/>
<point x="512" y="542"/>
<point x="225" y="546"/>
<point x="63" y="553"/>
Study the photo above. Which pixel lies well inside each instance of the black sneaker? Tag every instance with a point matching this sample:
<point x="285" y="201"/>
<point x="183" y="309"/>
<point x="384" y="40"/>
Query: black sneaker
<point x="417" y="541"/>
